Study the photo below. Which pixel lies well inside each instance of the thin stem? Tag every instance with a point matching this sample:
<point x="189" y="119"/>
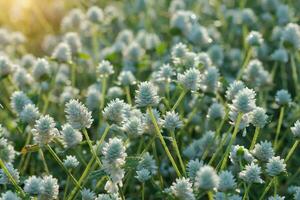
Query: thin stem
<point x="66" y="187"/>
<point x="143" y="191"/>
<point x="154" y="150"/>
<point x="103" y="92"/>
<point x="103" y="137"/>
<point x="100" y="182"/>
<point x="15" y="87"/>
<point x="102" y="99"/>
<point x="44" y="161"/>
<point x="220" y="146"/>
<point x="275" y="186"/>
<point x="221" y="124"/>
<point x="46" y="103"/>
<point x="24" y="168"/>
<point x="273" y="72"/>
<point x="295" y="74"/>
<point x="292" y="150"/>
<point x="121" y="192"/>
<point x="183" y="93"/>
<point x="148" y="145"/>
<point x="127" y="90"/>
<point x="28" y="139"/>
<point x="89" y="165"/>
<point x="232" y="139"/>
<point x="256" y="133"/>
<point x="246" y="192"/>
<point x="210" y="195"/>
<point x="175" y="145"/>
<point x="245" y="63"/>
<point x="73" y="74"/>
<point x="279" y="125"/>
<point x="94" y="154"/>
<point x="283" y="76"/>
<point x="266" y="189"/>
<point x="167" y="87"/>
<point x="157" y="130"/>
<point x="57" y="159"/>
<point x="11" y="178"/>
<point x="81" y="179"/>
<point x="95" y="43"/>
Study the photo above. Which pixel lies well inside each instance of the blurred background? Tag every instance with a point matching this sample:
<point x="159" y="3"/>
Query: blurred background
<point x="37" y="18"/>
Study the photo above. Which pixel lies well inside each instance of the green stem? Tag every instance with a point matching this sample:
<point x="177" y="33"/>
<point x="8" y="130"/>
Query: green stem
<point x="95" y="43"/>
<point x="10" y="80"/>
<point x="89" y="165"/>
<point x="121" y="192"/>
<point x="175" y="145"/>
<point x="100" y="182"/>
<point x="295" y="74"/>
<point x="154" y="150"/>
<point x="73" y="74"/>
<point x="232" y="139"/>
<point x="283" y="76"/>
<point x="157" y="130"/>
<point x="143" y="191"/>
<point x="210" y="195"/>
<point x="106" y="131"/>
<point x="28" y="139"/>
<point x="183" y="93"/>
<point x="256" y="133"/>
<point x="102" y="99"/>
<point x="57" y="159"/>
<point x="46" y="103"/>
<point x="81" y="179"/>
<point x="292" y="150"/>
<point x="127" y="90"/>
<point x="273" y="72"/>
<point x="148" y="145"/>
<point x="103" y="92"/>
<point x="27" y="160"/>
<point x="246" y="192"/>
<point x="221" y="124"/>
<point x="220" y="146"/>
<point x="66" y="187"/>
<point x="279" y="126"/>
<point x="44" y="161"/>
<point x="275" y="186"/>
<point x="11" y="178"/>
<point x="266" y="189"/>
<point x="245" y="63"/>
<point x="94" y="154"/>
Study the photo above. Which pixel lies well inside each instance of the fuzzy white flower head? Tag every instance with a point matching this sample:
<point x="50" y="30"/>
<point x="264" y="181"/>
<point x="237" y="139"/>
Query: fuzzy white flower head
<point x="44" y="130"/>
<point x="70" y="136"/>
<point x="190" y="80"/>
<point x="78" y="115"/>
<point x="105" y="69"/>
<point x="206" y="178"/>
<point x="95" y="14"/>
<point x="73" y="40"/>
<point x="5" y="66"/>
<point x="251" y="174"/>
<point x="244" y="101"/>
<point x="114" y="152"/>
<point x="182" y="189"/>
<point x="41" y="69"/>
<point x="62" y="53"/>
<point x="113" y="161"/>
<point x="146" y="95"/>
<point x="49" y="188"/>
<point x="296" y="129"/>
<point x="7" y="152"/>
